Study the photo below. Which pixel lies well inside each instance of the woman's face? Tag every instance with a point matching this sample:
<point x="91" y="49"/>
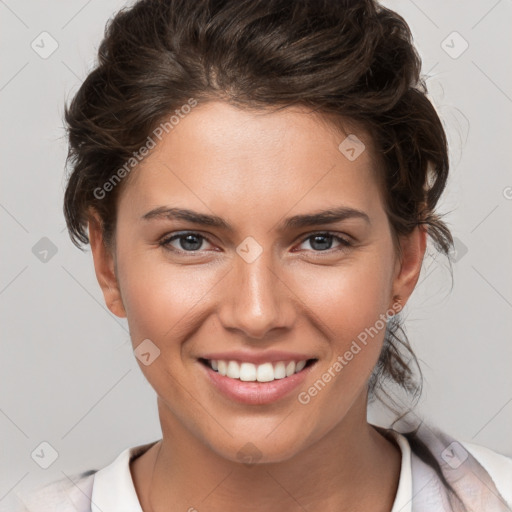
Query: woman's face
<point x="248" y="283"/>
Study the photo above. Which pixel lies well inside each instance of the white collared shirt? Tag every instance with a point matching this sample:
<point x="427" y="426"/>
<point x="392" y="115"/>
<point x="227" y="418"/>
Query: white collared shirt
<point x="112" y="489"/>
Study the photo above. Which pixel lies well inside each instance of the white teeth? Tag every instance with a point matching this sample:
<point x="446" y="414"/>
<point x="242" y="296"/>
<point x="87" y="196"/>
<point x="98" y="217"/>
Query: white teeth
<point x="233" y="370"/>
<point x="265" y="372"/>
<point x="222" y="367"/>
<point x="290" y="368"/>
<point x="279" y="371"/>
<point x="299" y="366"/>
<point x="249" y="372"/>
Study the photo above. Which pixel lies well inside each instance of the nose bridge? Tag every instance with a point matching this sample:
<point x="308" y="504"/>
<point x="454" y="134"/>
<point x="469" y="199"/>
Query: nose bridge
<point x="256" y="300"/>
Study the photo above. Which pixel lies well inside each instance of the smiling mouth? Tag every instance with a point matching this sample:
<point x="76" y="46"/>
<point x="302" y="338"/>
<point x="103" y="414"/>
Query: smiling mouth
<point x="249" y="372"/>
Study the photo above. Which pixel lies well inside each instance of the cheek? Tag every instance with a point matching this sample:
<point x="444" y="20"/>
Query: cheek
<point x="349" y="298"/>
<point x="163" y="304"/>
<point x="350" y="303"/>
<point x="160" y="298"/>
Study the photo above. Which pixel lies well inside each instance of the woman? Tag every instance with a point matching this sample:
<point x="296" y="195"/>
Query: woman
<point x="257" y="181"/>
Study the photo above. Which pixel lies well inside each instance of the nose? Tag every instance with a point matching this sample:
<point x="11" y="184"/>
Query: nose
<point x="257" y="300"/>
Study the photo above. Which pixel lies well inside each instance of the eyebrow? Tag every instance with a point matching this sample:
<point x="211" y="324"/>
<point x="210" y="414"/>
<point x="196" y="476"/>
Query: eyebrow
<point x="329" y="216"/>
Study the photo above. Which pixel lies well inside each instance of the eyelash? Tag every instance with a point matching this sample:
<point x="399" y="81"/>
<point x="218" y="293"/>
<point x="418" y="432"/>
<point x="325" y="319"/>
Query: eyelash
<point x="165" y="242"/>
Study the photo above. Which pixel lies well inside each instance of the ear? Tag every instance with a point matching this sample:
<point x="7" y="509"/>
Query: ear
<point x="408" y="267"/>
<point x="104" y="266"/>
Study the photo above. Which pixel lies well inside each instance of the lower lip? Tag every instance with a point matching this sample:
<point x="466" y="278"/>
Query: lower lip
<point x="256" y="393"/>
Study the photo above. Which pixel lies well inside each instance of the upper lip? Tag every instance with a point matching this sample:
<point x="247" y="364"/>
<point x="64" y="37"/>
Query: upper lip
<point x="273" y="356"/>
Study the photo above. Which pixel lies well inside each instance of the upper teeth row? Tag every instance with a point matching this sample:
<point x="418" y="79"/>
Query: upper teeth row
<point x="248" y="372"/>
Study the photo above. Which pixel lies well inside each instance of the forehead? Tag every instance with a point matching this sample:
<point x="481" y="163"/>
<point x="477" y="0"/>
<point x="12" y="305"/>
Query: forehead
<point x="256" y="159"/>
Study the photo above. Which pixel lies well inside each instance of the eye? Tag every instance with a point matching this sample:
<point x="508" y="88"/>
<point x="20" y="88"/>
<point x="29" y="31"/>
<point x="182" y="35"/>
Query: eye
<point x="190" y="242"/>
<point x="186" y="242"/>
<point x="321" y="242"/>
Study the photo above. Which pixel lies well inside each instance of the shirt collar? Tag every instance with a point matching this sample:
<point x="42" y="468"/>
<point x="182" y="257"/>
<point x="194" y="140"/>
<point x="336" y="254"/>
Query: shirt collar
<point x="403" y="499"/>
<point x="114" y="491"/>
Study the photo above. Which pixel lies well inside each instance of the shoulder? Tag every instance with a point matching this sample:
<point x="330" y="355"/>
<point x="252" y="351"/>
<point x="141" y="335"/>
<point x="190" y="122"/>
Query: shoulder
<point x="73" y="493"/>
<point x="477" y="474"/>
<point x="108" y="488"/>
<point x="447" y="472"/>
<point x="498" y="466"/>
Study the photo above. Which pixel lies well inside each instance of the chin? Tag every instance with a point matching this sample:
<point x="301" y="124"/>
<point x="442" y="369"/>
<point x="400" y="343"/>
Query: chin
<point x="260" y="447"/>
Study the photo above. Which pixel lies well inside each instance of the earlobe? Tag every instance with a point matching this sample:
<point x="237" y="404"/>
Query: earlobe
<point x="413" y="248"/>
<point x="104" y="267"/>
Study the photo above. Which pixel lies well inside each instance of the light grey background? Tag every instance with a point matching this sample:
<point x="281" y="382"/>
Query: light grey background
<point x="68" y="375"/>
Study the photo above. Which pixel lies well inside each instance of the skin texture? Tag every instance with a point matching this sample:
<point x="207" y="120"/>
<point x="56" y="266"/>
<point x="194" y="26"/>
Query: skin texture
<point x="254" y="169"/>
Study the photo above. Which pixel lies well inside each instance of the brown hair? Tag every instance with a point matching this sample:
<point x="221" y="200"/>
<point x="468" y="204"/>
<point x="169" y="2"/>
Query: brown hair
<point x="347" y="59"/>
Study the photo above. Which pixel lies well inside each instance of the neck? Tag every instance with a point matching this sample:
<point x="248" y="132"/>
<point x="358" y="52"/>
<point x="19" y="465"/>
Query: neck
<point x="353" y="467"/>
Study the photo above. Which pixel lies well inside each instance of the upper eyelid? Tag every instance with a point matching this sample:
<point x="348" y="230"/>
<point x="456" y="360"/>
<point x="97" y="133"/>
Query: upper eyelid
<point x="177" y="234"/>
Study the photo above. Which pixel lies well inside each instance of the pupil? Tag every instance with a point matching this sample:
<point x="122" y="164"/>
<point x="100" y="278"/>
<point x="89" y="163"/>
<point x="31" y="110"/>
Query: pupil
<point x="190" y="242"/>
<point x="325" y="241"/>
